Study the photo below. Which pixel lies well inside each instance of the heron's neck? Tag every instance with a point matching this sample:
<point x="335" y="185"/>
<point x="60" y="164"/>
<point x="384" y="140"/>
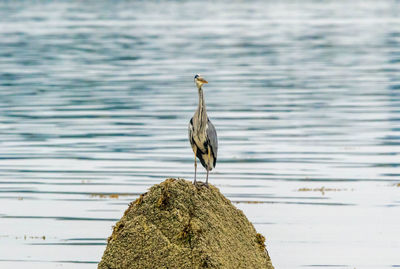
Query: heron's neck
<point x="202" y="104"/>
<point x="201" y="109"/>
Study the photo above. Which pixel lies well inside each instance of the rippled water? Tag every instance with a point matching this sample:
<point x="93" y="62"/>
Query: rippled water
<point x="95" y="98"/>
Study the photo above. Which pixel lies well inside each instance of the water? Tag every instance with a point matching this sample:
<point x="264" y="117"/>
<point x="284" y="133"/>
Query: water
<point x="95" y="98"/>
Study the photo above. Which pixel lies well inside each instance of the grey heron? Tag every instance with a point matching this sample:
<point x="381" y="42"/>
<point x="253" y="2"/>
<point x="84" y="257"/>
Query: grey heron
<point x="202" y="134"/>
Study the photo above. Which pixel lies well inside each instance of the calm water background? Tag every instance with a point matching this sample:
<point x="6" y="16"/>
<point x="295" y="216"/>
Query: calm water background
<point x="95" y="98"/>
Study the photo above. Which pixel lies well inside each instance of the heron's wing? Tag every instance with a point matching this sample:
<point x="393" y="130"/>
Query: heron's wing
<point x="212" y="139"/>
<point x="190" y="132"/>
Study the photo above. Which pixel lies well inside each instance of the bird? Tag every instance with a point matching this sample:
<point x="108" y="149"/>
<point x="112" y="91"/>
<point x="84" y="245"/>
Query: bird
<point x="202" y="134"/>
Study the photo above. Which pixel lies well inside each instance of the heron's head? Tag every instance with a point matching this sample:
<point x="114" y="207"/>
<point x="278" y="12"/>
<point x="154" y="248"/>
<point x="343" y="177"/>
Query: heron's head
<point x="199" y="80"/>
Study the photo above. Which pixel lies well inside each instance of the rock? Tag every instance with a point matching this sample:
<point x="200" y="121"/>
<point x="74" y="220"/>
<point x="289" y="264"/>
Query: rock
<point x="179" y="225"/>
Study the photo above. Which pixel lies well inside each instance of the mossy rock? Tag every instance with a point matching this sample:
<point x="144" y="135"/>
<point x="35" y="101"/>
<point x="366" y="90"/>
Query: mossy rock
<point x="179" y="225"/>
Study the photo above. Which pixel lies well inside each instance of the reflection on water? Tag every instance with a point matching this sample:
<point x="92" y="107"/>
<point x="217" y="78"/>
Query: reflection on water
<point x="95" y="99"/>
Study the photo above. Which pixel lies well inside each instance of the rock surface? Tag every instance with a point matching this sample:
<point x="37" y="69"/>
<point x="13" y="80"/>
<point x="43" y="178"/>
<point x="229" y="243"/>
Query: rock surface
<point x="179" y="225"/>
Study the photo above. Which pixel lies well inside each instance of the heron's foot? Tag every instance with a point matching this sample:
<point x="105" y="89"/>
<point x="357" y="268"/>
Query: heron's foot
<point x="200" y="184"/>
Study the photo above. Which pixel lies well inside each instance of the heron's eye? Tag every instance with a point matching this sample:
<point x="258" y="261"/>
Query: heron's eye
<point x="196" y="76"/>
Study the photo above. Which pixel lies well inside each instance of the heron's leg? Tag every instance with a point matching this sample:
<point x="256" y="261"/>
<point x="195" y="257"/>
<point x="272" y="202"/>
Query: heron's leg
<point x="195" y="164"/>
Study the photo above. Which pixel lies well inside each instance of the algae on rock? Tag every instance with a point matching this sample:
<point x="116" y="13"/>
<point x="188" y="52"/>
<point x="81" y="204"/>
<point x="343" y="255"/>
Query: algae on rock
<point x="179" y="225"/>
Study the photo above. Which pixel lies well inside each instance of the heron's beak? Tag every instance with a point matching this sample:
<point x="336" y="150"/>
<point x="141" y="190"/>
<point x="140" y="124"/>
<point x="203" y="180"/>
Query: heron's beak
<point x="202" y="80"/>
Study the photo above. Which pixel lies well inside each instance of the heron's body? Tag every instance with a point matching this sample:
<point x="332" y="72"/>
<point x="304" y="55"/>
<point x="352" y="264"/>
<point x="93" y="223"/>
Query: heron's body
<point x="202" y="134"/>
